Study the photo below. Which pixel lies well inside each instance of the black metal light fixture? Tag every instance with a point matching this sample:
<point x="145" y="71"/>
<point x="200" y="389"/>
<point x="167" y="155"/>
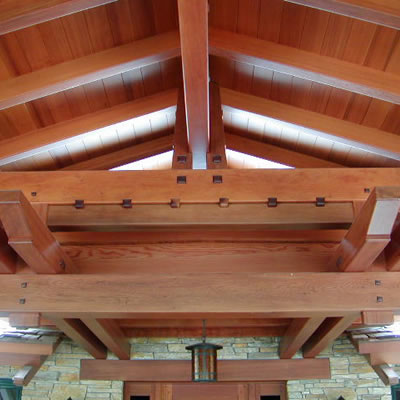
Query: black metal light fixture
<point x="204" y="360"/>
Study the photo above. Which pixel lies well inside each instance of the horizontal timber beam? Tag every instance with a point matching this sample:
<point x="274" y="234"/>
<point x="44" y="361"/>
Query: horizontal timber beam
<point x="125" y="156"/>
<point x="228" y="370"/>
<point x="387" y="374"/>
<point x="369" y="139"/>
<point x="69" y="74"/>
<point x="200" y="293"/>
<point x="16" y="15"/>
<point x="239" y="186"/>
<point x="277" y="154"/>
<point x="306" y="65"/>
<point x="380" y="12"/>
<point x="47" y="138"/>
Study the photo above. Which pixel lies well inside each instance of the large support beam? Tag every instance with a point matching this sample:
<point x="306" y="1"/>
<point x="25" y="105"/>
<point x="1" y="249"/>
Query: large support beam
<point x="392" y="251"/>
<point x="159" y="187"/>
<point x="298" y="332"/>
<point x="26" y="373"/>
<point x="101" y="295"/>
<point x="373" y="318"/>
<point x="330" y="329"/>
<point x="8" y="258"/>
<point x="80" y="333"/>
<point x="124" y="156"/>
<point x="93" y="67"/>
<point x="228" y="370"/>
<point x="30" y="237"/>
<point x="216" y="158"/>
<point x="306" y="65"/>
<point x="380" y="12"/>
<point x="277" y="154"/>
<point x="108" y="331"/>
<point x="193" y="25"/>
<point x="15" y="15"/>
<point x="43" y="139"/>
<point x="359" y="136"/>
<point x="387" y="374"/>
<point x="370" y="232"/>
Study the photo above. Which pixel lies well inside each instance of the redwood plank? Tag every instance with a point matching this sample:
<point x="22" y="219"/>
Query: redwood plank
<point x="30" y="237"/>
<point x="43" y="139"/>
<point x="330" y="329"/>
<point x="377" y="318"/>
<point x="298" y="332"/>
<point x="26" y="373"/>
<point x="108" y="331"/>
<point x="193" y="26"/>
<point x="380" y="12"/>
<point x="370" y="232"/>
<point x="93" y="67"/>
<point x="306" y="65"/>
<point x="18" y="360"/>
<point x="8" y="258"/>
<point x="378" y="346"/>
<point x="392" y="251"/>
<point x="384" y="358"/>
<point x="16" y="15"/>
<point x="387" y="374"/>
<point x="31" y="320"/>
<point x="204" y="293"/>
<point x="228" y="370"/>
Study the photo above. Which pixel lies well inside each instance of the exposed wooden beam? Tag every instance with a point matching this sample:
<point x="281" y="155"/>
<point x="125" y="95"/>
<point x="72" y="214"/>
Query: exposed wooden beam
<point x="374" y="318"/>
<point x="298" y="332"/>
<point x="42" y="347"/>
<point x="330" y="329"/>
<point x="159" y="187"/>
<point x="387" y="374"/>
<point x="43" y="139"/>
<point x="228" y="370"/>
<point x="31" y="320"/>
<point x="275" y="153"/>
<point x="26" y="373"/>
<point x="8" y="258"/>
<point x="108" y="331"/>
<point x="15" y="15"/>
<point x="380" y="12"/>
<point x="384" y="358"/>
<point x="93" y="67"/>
<point x="216" y="158"/>
<point x="378" y="346"/>
<point x="208" y="292"/>
<point x="124" y="156"/>
<point x="370" y="232"/>
<point x="182" y="158"/>
<point x="337" y="130"/>
<point x="80" y="333"/>
<point x="18" y="360"/>
<point x="193" y="26"/>
<point x="306" y="65"/>
<point x="392" y="251"/>
<point x="30" y="237"/>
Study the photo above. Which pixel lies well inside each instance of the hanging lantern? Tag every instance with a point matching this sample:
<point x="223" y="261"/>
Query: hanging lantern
<point x="204" y="360"/>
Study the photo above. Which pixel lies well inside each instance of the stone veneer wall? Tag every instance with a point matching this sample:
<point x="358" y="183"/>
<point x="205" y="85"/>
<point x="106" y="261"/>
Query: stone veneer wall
<point x="352" y="377"/>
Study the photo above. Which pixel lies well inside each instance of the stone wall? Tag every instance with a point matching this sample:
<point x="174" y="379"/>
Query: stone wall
<point x="352" y="377"/>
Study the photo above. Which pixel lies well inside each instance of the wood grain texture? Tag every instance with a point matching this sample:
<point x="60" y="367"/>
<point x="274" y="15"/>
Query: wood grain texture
<point x="277" y="154"/>
<point x="380" y="12"/>
<point x="323" y="126"/>
<point x="306" y="65"/>
<point x="27" y="373"/>
<point x="228" y="370"/>
<point x="15" y="15"/>
<point x="193" y="26"/>
<point x="378" y="346"/>
<point x="125" y="156"/>
<point x="87" y="69"/>
<point x="29" y="236"/>
<point x="69" y="131"/>
<point x="203" y="293"/>
<point x="370" y="232"/>
<point x="392" y="251"/>
<point x="8" y="257"/>
<point x="31" y="320"/>
<point x="377" y="318"/>
<point x="240" y="186"/>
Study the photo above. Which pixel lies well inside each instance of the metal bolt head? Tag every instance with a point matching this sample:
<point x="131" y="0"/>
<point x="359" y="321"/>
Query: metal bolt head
<point x="367" y="190"/>
<point x="339" y="261"/>
<point x="62" y="264"/>
<point x="22" y="301"/>
<point x="181" y="159"/>
<point x="33" y="194"/>
<point x="217" y="179"/>
<point x="24" y="285"/>
<point x="181" y="180"/>
<point x="378" y="283"/>
<point x="379" y="299"/>
<point x="217" y="159"/>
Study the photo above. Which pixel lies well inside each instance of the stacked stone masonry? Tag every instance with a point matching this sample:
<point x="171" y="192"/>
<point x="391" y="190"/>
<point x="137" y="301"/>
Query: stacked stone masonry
<point x="352" y="377"/>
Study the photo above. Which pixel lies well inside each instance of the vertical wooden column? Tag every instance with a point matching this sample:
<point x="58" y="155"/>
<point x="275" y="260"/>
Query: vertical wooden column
<point x="216" y="158"/>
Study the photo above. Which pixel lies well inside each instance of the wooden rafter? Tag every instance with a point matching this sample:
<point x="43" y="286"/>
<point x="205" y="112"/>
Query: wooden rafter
<point x="277" y="154"/>
<point x="193" y="25"/>
<point x="7" y="255"/>
<point x="387" y="374"/>
<point x="298" y="332"/>
<point x="370" y="232"/>
<point x="125" y="156"/>
<point x="306" y="65"/>
<point x="172" y="294"/>
<point x="18" y="15"/>
<point x="30" y="237"/>
<point x="26" y="320"/>
<point x="216" y="158"/>
<point x="371" y="318"/>
<point x="93" y="67"/>
<point x="380" y="12"/>
<point x="37" y="141"/>
<point x="392" y="251"/>
<point x="359" y="136"/>
<point x="330" y="329"/>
